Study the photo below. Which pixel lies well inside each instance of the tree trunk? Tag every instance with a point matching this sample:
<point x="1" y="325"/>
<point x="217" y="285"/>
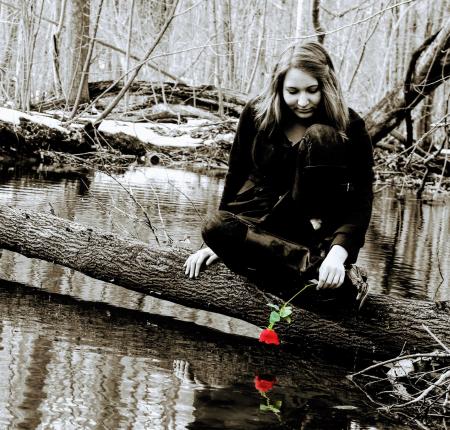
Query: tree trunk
<point x="77" y="38"/>
<point x="301" y="21"/>
<point x="383" y="326"/>
<point x="316" y="21"/>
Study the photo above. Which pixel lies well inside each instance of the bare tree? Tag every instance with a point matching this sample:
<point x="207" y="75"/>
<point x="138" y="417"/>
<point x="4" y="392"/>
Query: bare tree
<point x="76" y="35"/>
<point x="316" y="21"/>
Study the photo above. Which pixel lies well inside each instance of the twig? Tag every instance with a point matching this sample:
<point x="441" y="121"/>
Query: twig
<point x="416" y="144"/>
<point x="188" y="199"/>
<point x="136" y="70"/>
<point x="393" y="360"/>
<point x="158" y="206"/>
<point x="349" y="25"/>
<point x="368" y="395"/>
<point x="418" y="423"/>
<point x="424" y="393"/>
<point x="345" y="12"/>
<point x="362" y="53"/>
<point x="436" y="339"/>
<point x="147" y="218"/>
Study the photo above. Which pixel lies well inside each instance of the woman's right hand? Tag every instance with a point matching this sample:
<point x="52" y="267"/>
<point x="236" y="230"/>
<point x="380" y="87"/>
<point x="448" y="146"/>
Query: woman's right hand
<point x="195" y="261"/>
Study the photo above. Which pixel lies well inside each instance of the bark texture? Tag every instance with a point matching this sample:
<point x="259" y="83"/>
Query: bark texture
<point x="77" y="46"/>
<point x="383" y="326"/>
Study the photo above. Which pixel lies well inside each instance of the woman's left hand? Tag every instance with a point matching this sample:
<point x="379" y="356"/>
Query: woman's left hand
<point x="332" y="270"/>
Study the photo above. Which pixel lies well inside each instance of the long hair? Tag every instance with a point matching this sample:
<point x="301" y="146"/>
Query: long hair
<point x="312" y="58"/>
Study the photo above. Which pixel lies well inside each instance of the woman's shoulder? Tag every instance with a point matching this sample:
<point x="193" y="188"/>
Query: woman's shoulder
<point x="250" y="108"/>
<point x="248" y="117"/>
<point x="356" y="124"/>
<point x="354" y="117"/>
<point x="357" y="132"/>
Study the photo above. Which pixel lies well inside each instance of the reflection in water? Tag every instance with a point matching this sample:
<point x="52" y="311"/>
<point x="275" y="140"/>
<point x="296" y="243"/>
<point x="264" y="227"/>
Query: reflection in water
<point x="407" y="250"/>
<point x="70" y="364"/>
<point x="97" y="366"/>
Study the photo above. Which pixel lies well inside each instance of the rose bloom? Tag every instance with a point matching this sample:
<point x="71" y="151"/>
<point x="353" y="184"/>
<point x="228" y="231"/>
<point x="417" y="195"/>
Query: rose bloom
<point x="269" y="336"/>
<point x="264" y="385"/>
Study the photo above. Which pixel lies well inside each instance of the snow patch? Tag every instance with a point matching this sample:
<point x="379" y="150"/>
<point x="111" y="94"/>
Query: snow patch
<point x="14" y="116"/>
<point x="145" y="133"/>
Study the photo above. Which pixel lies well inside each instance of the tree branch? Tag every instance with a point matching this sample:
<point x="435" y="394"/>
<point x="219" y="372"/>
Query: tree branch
<point x="136" y="70"/>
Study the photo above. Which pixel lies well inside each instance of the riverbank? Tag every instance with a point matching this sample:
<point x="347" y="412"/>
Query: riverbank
<point x="189" y="138"/>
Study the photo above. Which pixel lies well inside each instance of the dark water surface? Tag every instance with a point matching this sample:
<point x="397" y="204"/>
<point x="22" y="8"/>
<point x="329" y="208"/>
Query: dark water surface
<point x="94" y="355"/>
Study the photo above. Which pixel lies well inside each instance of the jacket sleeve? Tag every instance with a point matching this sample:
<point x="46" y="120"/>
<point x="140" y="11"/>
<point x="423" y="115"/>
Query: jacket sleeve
<point x="355" y="219"/>
<point x="240" y="160"/>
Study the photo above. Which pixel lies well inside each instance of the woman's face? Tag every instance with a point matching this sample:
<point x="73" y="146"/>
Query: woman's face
<point x="301" y="93"/>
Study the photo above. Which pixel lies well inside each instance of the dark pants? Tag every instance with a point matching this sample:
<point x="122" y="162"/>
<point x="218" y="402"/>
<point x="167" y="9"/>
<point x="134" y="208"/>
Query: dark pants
<point x="227" y="235"/>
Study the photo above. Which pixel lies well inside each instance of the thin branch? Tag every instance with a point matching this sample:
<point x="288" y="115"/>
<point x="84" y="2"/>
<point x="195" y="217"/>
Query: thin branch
<point x="349" y="25"/>
<point x="424" y="393"/>
<point x="363" y="51"/>
<point x="345" y="12"/>
<point x="147" y="217"/>
<point x="158" y="206"/>
<point x="188" y="199"/>
<point x="416" y="144"/>
<point x="446" y="348"/>
<point x="135" y="72"/>
<point x="398" y="358"/>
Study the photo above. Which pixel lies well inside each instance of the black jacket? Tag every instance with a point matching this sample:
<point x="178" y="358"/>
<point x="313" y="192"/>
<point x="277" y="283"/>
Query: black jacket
<point x="270" y="164"/>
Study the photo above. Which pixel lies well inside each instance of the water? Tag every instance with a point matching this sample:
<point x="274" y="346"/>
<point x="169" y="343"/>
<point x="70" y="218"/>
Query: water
<point x="77" y="353"/>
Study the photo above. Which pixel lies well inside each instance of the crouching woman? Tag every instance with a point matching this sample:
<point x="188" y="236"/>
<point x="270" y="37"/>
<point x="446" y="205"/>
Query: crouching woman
<point x="298" y="194"/>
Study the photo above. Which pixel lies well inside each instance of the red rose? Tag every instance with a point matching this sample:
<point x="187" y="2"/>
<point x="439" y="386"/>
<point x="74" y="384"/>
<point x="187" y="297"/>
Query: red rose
<point x="264" y="385"/>
<point x="269" y="336"/>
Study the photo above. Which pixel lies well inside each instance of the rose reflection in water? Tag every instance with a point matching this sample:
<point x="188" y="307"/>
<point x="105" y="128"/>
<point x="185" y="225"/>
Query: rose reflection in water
<point x="263" y="384"/>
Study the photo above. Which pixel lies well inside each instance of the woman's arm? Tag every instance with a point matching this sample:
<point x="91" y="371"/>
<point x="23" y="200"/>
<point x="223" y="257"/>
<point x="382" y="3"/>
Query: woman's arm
<point x="349" y="237"/>
<point x="239" y="166"/>
<point x="239" y="163"/>
<point x="355" y="221"/>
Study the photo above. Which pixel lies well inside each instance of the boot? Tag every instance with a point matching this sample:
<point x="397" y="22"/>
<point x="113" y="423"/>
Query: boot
<point x="357" y="277"/>
<point x="273" y="254"/>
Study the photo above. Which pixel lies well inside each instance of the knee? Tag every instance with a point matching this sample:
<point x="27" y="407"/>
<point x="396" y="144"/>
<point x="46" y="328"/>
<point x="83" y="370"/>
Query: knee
<point x="323" y="134"/>
<point x="323" y="145"/>
<point x="213" y="226"/>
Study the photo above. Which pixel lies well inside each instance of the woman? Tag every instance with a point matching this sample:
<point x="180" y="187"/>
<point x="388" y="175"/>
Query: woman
<point x="298" y="193"/>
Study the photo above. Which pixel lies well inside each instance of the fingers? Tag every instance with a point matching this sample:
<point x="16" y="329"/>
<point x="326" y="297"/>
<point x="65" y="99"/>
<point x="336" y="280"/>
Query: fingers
<point x="213" y="257"/>
<point x="193" y="264"/>
<point x="330" y="277"/>
<point x="197" y="265"/>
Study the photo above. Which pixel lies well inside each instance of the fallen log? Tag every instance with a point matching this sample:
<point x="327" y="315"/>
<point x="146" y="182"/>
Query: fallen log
<point x="384" y="326"/>
<point x="201" y="96"/>
<point x="22" y="134"/>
